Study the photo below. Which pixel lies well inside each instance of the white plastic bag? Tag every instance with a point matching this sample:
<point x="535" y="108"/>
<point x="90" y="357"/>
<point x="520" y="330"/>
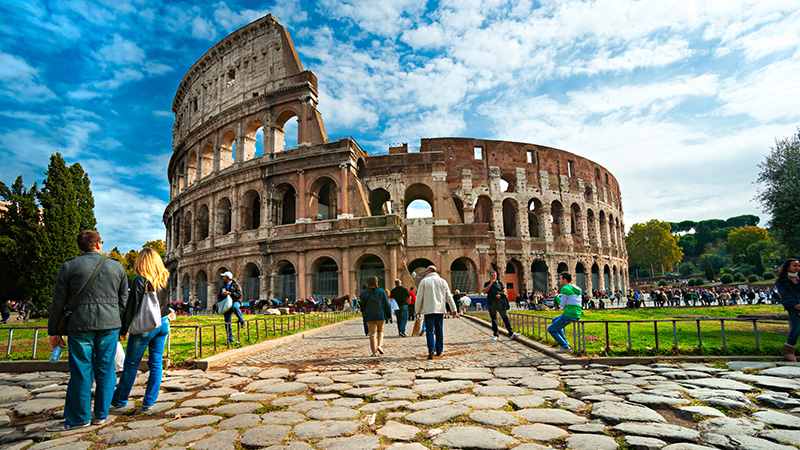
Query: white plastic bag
<point x="119" y="358"/>
<point x="225" y="304"/>
<point x="148" y="317"/>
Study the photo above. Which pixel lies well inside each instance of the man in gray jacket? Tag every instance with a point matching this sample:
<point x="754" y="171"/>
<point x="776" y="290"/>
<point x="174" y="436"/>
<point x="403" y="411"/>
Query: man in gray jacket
<point x="432" y="298"/>
<point x="92" y="332"/>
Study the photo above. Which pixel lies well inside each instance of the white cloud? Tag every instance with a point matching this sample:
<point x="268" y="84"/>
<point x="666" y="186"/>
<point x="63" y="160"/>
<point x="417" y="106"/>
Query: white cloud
<point x="38" y="119"/>
<point x="85" y="94"/>
<point x="131" y="225"/>
<point x="20" y="81"/>
<point x="120" y="52"/>
<point x="383" y="18"/>
<point x="769" y="94"/>
<point x="154" y="68"/>
<point x="203" y="29"/>
<point x="119" y="78"/>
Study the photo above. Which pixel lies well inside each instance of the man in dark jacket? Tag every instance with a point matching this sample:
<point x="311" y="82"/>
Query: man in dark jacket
<point x="93" y="329"/>
<point x="497" y="302"/>
<point x="400" y="295"/>
<point x="233" y="289"/>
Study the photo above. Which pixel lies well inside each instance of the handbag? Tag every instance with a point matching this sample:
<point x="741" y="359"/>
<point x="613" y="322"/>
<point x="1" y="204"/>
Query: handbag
<point x="226" y="304"/>
<point x="148" y="317"/>
<point x="417" y="327"/>
<point x="72" y="303"/>
<point x="119" y="358"/>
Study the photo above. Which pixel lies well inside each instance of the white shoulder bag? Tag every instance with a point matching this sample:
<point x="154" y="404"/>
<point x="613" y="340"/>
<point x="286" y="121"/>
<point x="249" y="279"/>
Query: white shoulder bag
<point x="148" y="317"/>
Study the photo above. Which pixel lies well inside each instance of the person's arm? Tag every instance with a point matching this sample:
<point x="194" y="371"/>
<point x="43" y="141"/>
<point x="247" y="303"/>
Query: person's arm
<point x="420" y="298"/>
<point x="785" y="291"/>
<point x="486" y="287"/>
<point x="122" y="295"/>
<point x="60" y="294"/>
<point x="449" y="298"/>
<point x="236" y="291"/>
<point x="133" y="303"/>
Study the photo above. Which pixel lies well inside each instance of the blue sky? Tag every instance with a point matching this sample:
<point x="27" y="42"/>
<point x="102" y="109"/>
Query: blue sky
<point x="679" y="99"/>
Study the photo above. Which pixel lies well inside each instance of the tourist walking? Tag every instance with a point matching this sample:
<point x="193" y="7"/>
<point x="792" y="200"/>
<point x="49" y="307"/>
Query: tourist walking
<point x="375" y="308"/>
<point x="151" y="276"/>
<point x="412" y="299"/>
<point x="497" y="302"/>
<point x="571" y="299"/>
<point x="89" y="301"/>
<point x="788" y="286"/>
<point x="401" y="295"/>
<point x="233" y="289"/>
<point x="432" y="297"/>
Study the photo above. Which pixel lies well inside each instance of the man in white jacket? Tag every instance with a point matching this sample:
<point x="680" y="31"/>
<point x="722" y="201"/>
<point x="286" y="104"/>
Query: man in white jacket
<point x="432" y="296"/>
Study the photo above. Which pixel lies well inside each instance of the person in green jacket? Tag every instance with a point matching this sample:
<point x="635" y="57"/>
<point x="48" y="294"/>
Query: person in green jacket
<point x="571" y="300"/>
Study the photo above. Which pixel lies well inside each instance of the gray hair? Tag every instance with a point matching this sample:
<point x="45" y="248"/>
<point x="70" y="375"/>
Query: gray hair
<point x="431" y="269"/>
<point x="397" y="282"/>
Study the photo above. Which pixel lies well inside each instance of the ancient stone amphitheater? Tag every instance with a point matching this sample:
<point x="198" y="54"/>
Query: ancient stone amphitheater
<point x="318" y="219"/>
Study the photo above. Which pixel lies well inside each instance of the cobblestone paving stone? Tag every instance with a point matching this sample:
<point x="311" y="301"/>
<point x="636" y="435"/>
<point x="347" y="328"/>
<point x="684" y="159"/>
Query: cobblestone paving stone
<point x="326" y="392"/>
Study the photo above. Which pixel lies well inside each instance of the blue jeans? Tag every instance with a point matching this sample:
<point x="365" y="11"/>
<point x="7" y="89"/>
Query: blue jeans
<point x="238" y="312"/>
<point x="794" y="325"/>
<point x="91" y="356"/>
<point x="153" y="341"/>
<point x="433" y="332"/>
<point x="556" y="329"/>
<point x="402" y="319"/>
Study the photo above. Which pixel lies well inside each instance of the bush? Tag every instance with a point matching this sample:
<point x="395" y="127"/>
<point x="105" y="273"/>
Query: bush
<point x="662" y="282"/>
<point x="690" y="282"/>
<point x="769" y="275"/>
<point x="698" y="282"/>
<point x="726" y="278"/>
<point x="739" y="276"/>
<point x="685" y="269"/>
<point x="752" y="278"/>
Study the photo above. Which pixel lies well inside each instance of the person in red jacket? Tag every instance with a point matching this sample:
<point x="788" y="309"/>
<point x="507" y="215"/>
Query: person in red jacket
<point x="412" y="300"/>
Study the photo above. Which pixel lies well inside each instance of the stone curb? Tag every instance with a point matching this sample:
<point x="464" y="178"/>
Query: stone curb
<point x="46" y="366"/>
<point x="244" y="352"/>
<point x="625" y="360"/>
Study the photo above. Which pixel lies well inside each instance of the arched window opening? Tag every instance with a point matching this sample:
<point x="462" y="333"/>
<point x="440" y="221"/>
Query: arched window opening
<point x="287" y="206"/>
<point x="575" y="218"/>
<point x="202" y="289"/>
<point x="562" y="267"/>
<point x="418" y="268"/>
<point x="603" y="225"/>
<point x="419" y="202"/>
<point x="187" y="228"/>
<point x="253" y="141"/>
<point x="181" y="178"/>
<point x="192" y="167"/>
<point x="580" y="276"/>
<point x="286" y="131"/>
<point x="285" y="282"/>
<point x="534" y="208"/>
<point x="507" y="182"/>
<point x="202" y="223"/>
<point x="612" y="232"/>
<point x="510" y="218"/>
<point x="556" y="215"/>
<point x="326" y="202"/>
<point x="371" y="266"/>
<point x="380" y="202"/>
<point x="325" y="279"/>
<point x="459" y="208"/>
<point x="464" y="275"/>
<point x="539" y="276"/>
<point x="252" y="210"/>
<point x="251" y="282"/>
<point x="595" y="277"/>
<point x="227" y="150"/>
<point x="590" y="225"/>
<point x="587" y="193"/>
<point x="361" y="172"/>
<point x="186" y="289"/>
<point x="513" y="280"/>
<point x="607" y="278"/>
<point x="207" y="160"/>
<point x="483" y="211"/>
<point x="223" y="217"/>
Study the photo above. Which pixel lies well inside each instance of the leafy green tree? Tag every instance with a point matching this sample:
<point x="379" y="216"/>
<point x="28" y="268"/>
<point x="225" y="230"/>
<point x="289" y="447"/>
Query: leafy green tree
<point x="157" y="245"/>
<point x="129" y="261"/>
<point x="685" y="269"/>
<point x="652" y="245"/>
<point x="739" y="239"/>
<point x="688" y="243"/>
<point x="746" y="220"/>
<point x="116" y="254"/>
<point x="780" y="172"/>
<point x="708" y="268"/>
<point x="85" y="200"/>
<point x="59" y="201"/>
<point x="20" y="242"/>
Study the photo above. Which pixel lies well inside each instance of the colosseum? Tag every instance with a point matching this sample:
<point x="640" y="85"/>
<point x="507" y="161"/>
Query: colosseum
<point x="318" y="219"/>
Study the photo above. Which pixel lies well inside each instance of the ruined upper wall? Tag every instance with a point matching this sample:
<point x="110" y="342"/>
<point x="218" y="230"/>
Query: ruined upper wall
<point x="256" y="59"/>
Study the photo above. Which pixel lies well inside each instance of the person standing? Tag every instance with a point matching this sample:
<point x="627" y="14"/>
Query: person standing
<point x="95" y="318"/>
<point x="412" y="299"/>
<point x="788" y="286"/>
<point x="433" y="296"/>
<point x="5" y="311"/>
<point x="374" y="308"/>
<point x="151" y="276"/>
<point x="497" y="302"/>
<point x="401" y="295"/>
<point x="233" y="289"/>
<point x="571" y="299"/>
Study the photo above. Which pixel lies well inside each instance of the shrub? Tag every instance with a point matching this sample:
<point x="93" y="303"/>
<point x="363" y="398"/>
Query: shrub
<point x="752" y="278"/>
<point x="769" y="275"/>
<point x="685" y="269"/>
<point x="739" y="276"/>
<point x="726" y="278"/>
<point x="690" y="282"/>
<point x="662" y="282"/>
<point x="699" y="282"/>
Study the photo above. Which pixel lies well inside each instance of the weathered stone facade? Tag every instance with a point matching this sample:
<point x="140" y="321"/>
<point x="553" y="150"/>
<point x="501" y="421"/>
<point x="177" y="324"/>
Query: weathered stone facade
<point x="318" y="219"/>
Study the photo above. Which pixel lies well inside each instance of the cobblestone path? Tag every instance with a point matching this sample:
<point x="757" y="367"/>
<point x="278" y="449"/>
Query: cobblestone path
<point x="305" y="396"/>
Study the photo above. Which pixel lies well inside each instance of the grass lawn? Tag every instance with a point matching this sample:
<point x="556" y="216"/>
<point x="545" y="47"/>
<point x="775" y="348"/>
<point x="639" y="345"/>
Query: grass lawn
<point x="739" y="336"/>
<point x="182" y="334"/>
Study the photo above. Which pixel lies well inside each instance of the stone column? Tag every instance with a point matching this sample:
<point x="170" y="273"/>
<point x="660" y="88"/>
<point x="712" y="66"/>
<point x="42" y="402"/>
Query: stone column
<point x="344" y="175"/>
<point x="240" y="144"/>
<point x="301" y="275"/>
<point x="302" y="197"/>
<point x="497" y="218"/>
<point x="392" y="262"/>
<point x="344" y="280"/>
<point x="545" y="227"/>
<point x="469" y="213"/>
<point x="524" y="229"/>
<point x="216" y="154"/>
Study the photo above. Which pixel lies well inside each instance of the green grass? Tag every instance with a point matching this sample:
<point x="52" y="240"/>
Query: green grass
<point x="181" y="339"/>
<point x="739" y="336"/>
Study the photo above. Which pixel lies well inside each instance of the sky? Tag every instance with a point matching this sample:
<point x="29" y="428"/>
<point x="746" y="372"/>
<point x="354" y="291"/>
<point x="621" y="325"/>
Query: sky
<point x="680" y="100"/>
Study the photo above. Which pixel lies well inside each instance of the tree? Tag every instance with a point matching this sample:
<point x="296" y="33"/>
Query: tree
<point x="739" y="239"/>
<point x="129" y="261"/>
<point x="651" y="244"/>
<point x="116" y="254"/>
<point x="20" y="242"/>
<point x="780" y="180"/>
<point x="685" y="269"/>
<point x="157" y="245"/>
<point x="688" y="243"/>
<point x="85" y="200"/>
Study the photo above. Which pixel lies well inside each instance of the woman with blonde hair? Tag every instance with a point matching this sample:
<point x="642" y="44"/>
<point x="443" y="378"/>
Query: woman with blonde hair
<point x="151" y="276"/>
<point x="375" y="308"/>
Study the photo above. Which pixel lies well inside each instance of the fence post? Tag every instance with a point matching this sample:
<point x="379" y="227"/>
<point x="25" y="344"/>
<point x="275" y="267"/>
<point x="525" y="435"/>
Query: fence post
<point x="575" y="334"/>
<point x="630" y="345"/>
<point x="608" y="340"/>
<point x="755" y="332"/>
<point x="35" y="339"/>
<point x="196" y="340"/>
<point x="169" y="344"/>
<point x="675" y="333"/>
<point x="201" y="341"/>
<point x="257" y="337"/>
<point x="10" y="337"/>
<point x="655" y="332"/>
<point x="699" y="335"/>
<point x="724" y="344"/>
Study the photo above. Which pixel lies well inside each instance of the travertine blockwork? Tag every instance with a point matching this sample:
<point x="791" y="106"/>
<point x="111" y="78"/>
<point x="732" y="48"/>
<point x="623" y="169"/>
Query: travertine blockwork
<point x="317" y="220"/>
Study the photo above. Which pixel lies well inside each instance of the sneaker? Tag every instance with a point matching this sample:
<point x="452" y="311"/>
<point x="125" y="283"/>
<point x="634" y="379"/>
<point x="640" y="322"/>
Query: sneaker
<point x="513" y="335"/>
<point x="563" y="350"/>
<point x="99" y="421"/>
<point x="62" y="426"/>
<point x="147" y="408"/>
<point x="494" y="338"/>
<point x="380" y="350"/>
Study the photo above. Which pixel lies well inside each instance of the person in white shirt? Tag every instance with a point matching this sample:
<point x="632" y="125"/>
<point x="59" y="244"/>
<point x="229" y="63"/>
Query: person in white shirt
<point x="432" y="296"/>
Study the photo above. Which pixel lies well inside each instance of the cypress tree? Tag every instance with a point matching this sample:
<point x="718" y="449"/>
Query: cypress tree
<point x="20" y="241"/>
<point x="62" y="222"/>
<point x="85" y="204"/>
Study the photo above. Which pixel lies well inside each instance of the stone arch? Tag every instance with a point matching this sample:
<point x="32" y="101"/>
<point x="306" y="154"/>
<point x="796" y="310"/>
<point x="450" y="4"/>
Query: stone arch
<point x="590" y="225"/>
<point x="186" y="288"/>
<point x="612" y="232"/>
<point x="603" y="223"/>
<point x="539" y="276"/>
<point x="575" y="219"/>
<point x="580" y="275"/>
<point x="483" y="211"/>
<point x="191" y="162"/>
<point x="361" y="169"/>
<point x="459" y="208"/>
<point x="284" y="204"/>
<point x="464" y="275"/>
<point x="562" y="267"/>
<point x="534" y="209"/>
<point x="227" y="151"/>
<point x="251" y="211"/>
<point x="224" y="216"/>
<point x="323" y="200"/>
<point x="556" y="218"/>
<point x="607" y="278"/>
<point x="380" y="202"/>
<point x="508" y="182"/>
<point x="284" y="283"/>
<point x="187" y="228"/>
<point x="419" y="191"/>
<point x="417" y="269"/>
<point x="202" y="288"/>
<point x="251" y="282"/>
<point x="325" y="277"/>
<point x="587" y="194"/>
<point x="252" y="147"/>
<point x="510" y="214"/>
<point x="595" y="277"/>
<point x="371" y="265"/>
<point x="281" y="126"/>
<point x="202" y="222"/>
<point x="514" y="278"/>
<point x="616" y="277"/>
<point x="207" y="159"/>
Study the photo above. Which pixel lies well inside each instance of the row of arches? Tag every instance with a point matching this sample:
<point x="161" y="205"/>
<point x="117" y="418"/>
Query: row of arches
<point x="197" y="287"/>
